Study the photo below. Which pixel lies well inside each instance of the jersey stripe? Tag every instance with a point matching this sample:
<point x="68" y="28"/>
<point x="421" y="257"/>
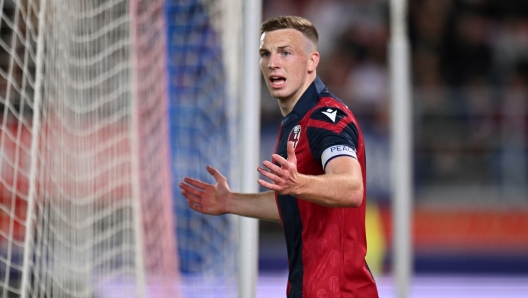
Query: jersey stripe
<point x="337" y="128"/>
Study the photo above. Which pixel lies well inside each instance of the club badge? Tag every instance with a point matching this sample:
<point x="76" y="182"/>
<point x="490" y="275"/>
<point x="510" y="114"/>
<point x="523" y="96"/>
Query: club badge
<point x="295" y="135"/>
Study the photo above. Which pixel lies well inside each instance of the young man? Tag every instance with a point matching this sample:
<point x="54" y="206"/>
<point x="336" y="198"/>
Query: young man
<point x="316" y="178"/>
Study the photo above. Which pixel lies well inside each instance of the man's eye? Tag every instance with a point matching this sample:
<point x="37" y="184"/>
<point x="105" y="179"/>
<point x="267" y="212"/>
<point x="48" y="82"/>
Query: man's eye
<point x="286" y="53"/>
<point x="263" y="55"/>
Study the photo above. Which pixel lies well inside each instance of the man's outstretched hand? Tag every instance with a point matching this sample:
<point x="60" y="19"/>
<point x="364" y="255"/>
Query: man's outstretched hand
<point x="284" y="177"/>
<point x="207" y="198"/>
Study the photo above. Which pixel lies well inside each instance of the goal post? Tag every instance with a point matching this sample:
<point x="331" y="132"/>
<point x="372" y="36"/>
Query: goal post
<point x="401" y="149"/>
<point x="250" y="105"/>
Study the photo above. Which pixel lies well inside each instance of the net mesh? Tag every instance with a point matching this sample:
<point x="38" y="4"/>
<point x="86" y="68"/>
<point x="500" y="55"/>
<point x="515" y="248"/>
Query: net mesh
<point x="85" y="182"/>
<point x="84" y="150"/>
<point x="202" y="52"/>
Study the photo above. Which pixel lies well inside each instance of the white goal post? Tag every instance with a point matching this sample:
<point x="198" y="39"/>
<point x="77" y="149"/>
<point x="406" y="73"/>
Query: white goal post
<point x="401" y="148"/>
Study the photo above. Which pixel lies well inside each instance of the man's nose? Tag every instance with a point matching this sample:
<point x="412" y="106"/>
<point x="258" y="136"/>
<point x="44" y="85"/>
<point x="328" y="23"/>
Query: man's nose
<point x="273" y="62"/>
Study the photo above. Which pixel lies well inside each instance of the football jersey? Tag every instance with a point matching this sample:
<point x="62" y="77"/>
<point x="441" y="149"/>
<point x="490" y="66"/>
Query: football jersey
<point x="326" y="246"/>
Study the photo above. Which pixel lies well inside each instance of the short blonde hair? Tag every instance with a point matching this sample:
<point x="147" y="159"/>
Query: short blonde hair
<point x="291" y="22"/>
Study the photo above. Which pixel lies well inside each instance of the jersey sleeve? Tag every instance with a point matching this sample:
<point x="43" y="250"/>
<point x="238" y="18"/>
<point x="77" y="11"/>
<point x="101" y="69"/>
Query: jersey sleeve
<point x="331" y="133"/>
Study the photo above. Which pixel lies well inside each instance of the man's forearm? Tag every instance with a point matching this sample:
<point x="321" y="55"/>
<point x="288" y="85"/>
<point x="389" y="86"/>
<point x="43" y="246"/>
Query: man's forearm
<point x="257" y="205"/>
<point x="331" y="190"/>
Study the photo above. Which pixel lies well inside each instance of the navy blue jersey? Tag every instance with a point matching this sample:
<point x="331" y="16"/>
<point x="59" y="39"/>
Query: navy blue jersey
<point x="326" y="246"/>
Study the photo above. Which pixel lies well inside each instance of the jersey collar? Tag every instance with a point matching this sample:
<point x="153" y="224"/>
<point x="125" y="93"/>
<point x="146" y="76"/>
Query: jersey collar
<point x="309" y="99"/>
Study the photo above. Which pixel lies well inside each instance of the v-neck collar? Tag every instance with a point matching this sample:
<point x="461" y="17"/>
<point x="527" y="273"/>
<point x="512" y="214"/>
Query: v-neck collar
<point x="308" y="100"/>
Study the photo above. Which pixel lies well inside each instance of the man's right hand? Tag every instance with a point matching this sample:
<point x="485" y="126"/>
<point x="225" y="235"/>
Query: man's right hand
<point x="207" y="198"/>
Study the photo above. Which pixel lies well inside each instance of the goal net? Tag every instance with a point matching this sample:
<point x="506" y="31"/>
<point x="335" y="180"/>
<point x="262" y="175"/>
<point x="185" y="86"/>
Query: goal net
<point x="85" y="179"/>
<point x="203" y="54"/>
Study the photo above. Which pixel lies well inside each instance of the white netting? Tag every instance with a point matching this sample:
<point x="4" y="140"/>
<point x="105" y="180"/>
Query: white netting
<point x="85" y="151"/>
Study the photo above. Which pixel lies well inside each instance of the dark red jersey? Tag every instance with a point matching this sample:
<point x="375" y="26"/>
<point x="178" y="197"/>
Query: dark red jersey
<point x="326" y="246"/>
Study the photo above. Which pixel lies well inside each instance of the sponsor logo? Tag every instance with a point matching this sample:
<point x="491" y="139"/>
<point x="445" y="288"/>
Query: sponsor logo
<point x="339" y="148"/>
<point x="330" y="114"/>
<point x="295" y="135"/>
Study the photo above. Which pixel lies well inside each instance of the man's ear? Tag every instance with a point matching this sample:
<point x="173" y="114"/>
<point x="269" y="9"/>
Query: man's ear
<point x="313" y="61"/>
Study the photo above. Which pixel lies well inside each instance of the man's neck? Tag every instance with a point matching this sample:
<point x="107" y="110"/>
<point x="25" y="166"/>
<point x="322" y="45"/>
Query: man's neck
<point x="286" y="105"/>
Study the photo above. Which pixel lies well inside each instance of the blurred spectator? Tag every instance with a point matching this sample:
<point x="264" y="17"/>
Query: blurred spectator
<point x="510" y="46"/>
<point x="272" y="8"/>
<point x="514" y="133"/>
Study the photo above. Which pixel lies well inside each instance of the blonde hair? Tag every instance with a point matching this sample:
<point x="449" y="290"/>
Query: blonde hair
<point x="291" y="22"/>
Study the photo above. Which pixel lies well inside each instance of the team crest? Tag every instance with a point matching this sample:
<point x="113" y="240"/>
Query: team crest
<point x="295" y="135"/>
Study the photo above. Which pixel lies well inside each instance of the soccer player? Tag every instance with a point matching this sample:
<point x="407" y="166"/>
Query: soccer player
<point x="316" y="178"/>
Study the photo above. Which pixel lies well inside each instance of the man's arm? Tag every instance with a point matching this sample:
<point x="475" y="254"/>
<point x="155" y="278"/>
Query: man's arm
<point x="340" y="186"/>
<point x="218" y="199"/>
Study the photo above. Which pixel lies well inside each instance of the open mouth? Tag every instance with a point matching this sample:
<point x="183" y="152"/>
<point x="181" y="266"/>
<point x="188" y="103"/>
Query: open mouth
<point x="277" y="81"/>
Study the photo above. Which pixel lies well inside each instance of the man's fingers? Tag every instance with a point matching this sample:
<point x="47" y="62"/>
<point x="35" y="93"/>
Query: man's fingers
<point x="191" y="190"/>
<point x="268" y="185"/>
<point x="283" y="164"/>
<point x="196" y="183"/>
<point x="272" y="167"/>
<point x="279" y="159"/>
<point x="194" y="206"/>
<point x="211" y="170"/>
<point x="270" y="175"/>
<point x="291" y="153"/>
<point x="214" y="172"/>
<point x="193" y="196"/>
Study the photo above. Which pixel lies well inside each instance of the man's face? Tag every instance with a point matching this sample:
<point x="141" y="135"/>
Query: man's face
<point x="285" y="63"/>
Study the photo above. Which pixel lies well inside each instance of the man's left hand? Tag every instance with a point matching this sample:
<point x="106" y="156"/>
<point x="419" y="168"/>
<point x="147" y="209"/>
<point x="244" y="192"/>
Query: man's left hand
<point x="284" y="176"/>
